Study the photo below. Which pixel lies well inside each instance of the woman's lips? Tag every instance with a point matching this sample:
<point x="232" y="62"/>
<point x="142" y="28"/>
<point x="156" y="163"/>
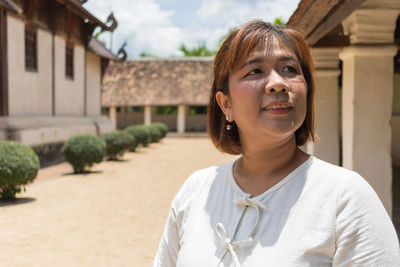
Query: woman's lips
<point x="278" y="107"/>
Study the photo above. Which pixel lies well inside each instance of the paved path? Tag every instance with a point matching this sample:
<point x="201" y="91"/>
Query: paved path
<point x="112" y="217"/>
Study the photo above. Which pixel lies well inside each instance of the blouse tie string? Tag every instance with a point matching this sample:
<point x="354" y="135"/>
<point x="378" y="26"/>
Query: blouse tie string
<point x="248" y="202"/>
<point x="232" y="245"/>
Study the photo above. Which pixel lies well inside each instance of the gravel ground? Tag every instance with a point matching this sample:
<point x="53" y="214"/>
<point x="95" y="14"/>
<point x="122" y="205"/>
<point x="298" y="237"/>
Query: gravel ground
<point x="113" y="216"/>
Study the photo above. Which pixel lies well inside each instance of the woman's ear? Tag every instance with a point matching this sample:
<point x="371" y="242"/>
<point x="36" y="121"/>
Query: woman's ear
<point x="225" y="104"/>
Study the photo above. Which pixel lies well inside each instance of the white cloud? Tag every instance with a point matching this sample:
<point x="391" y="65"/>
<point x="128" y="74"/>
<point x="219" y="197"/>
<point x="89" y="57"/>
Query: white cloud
<point x="236" y="12"/>
<point x="142" y="24"/>
<point x="146" y="27"/>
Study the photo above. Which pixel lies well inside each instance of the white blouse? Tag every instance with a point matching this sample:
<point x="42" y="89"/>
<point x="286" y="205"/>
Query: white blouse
<point x="319" y="215"/>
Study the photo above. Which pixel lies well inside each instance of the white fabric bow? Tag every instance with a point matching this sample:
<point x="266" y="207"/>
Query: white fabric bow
<point x="232" y="245"/>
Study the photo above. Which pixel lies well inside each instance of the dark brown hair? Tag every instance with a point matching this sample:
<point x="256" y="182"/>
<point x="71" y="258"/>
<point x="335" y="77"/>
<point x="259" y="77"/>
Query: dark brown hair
<point x="238" y="46"/>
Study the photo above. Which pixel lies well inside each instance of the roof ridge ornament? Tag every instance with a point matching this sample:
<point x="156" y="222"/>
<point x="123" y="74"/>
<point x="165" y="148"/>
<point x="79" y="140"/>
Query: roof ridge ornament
<point x="111" y="22"/>
<point x="122" y="55"/>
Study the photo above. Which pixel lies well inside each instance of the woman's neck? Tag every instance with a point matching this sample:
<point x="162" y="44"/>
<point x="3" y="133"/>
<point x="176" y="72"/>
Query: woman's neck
<point x="262" y="167"/>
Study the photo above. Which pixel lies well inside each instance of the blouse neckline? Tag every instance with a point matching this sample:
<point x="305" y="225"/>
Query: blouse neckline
<point x="281" y="183"/>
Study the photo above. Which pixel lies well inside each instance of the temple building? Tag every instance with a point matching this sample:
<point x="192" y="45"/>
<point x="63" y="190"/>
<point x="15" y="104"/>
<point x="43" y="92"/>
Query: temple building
<point x="50" y="73"/>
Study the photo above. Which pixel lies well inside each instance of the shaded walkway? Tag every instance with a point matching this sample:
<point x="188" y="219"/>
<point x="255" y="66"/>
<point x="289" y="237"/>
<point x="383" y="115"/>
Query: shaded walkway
<point x="113" y="217"/>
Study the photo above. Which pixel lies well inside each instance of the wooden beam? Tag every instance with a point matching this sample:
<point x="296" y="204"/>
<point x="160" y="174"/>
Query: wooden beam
<point x="28" y="7"/>
<point x="53" y="27"/>
<point x="4" y="110"/>
<point x="297" y="18"/>
<point x="314" y="19"/>
<point x="335" y="38"/>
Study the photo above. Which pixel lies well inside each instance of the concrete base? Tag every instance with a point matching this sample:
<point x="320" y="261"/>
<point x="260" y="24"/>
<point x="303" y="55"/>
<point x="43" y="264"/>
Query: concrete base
<point x="41" y="130"/>
<point x="49" y="154"/>
<point x="47" y="134"/>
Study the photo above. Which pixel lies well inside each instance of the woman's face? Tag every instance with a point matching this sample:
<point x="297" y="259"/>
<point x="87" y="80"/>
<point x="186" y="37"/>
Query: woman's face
<point x="267" y="94"/>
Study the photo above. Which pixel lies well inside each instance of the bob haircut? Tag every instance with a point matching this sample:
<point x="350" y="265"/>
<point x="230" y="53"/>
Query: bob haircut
<point x="236" y="48"/>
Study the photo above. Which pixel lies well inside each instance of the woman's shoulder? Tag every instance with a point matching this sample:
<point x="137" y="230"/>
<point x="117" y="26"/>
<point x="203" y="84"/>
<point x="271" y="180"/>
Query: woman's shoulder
<point x="202" y="179"/>
<point x="206" y="175"/>
<point x="330" y="172"/>
<point x="347" y="182"/>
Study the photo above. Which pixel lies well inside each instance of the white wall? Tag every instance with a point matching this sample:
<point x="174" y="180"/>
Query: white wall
<point x="69" y="93"/>
<point x="170" y="120"/>
<point x="30" y="93"/>
<point x="93" y="84"/>
<point x="125" y="119"/>
<point x="195" y="123"/>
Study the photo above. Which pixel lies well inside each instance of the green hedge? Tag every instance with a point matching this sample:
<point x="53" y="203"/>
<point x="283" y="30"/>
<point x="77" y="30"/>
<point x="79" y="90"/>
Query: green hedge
<point x="117" y="142"/>
<point x="162" y="127"/>
<point x="141" y="134"/>
<point x="82" y="151"/>
<point x="155" y="134"/>
<point x="18" y="166"/>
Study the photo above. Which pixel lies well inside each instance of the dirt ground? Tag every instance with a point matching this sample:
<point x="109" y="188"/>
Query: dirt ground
<point x="113" y="216"/>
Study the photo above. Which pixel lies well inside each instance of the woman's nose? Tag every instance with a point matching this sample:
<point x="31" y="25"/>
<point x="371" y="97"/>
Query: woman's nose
<point x="276" y="83"/>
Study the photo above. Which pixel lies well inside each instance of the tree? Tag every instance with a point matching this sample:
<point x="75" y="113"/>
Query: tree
<point x="279" y="22"/>
<point x="97" y="36"/>
<point x="145" y="54"/>
<point x="226" y="36"/>
<point x="200" y="51"/>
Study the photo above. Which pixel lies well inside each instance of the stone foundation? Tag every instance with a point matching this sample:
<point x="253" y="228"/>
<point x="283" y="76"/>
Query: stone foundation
<point x="49" y="154"/>
<point x="47" y="134"/>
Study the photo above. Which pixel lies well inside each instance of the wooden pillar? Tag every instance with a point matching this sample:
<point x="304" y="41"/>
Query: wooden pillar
<point x="181" y="119"/>
<point x="147" y="115"/>
<point x="4" y="110"/>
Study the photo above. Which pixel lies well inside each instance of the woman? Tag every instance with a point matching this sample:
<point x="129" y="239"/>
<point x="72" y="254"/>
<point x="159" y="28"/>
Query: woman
<point x="275" y="205"/>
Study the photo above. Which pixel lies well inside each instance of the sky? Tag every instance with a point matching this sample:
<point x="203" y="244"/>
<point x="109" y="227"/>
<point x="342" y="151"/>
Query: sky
<point x="160" y="27"/>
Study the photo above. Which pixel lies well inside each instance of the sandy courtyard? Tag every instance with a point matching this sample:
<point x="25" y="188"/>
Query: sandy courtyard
<point x="111" y="217"/>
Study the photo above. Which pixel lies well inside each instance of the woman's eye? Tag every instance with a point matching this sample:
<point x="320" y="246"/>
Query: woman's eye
<point x="290" y="69"/>
<point x="254" y="71"/>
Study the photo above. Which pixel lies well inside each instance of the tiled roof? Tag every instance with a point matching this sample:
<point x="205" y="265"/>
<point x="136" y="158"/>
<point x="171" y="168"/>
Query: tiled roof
<point x="157" y="82"/>
<point x="99" y="49"/>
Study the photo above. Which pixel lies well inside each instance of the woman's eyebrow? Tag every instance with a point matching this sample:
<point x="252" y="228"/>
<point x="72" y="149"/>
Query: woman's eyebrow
<point x="287" y="58"/>
<point x="262" y="59"/>
<point x="252" y="61"/>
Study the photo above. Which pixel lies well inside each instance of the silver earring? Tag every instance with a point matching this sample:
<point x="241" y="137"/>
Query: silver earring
<point x="228" y="124"/>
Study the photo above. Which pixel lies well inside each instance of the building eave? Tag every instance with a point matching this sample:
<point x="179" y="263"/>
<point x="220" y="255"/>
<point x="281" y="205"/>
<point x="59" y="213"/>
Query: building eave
<point x="76" y="7"/>
<point x="316" y="18"/>
<point x="98" y="48"/>
<point x="10" y="5"/>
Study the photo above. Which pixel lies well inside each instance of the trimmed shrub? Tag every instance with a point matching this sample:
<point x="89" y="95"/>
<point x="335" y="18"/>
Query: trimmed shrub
<point x="18" y="166"/>
<point x="162" y="127"/>
<point x="155" y="134"/>
<point x="117" y="142"/>
<point x="141" y="134"/>
<point x="135" y="142"/>
<point x="82" y="151"/>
